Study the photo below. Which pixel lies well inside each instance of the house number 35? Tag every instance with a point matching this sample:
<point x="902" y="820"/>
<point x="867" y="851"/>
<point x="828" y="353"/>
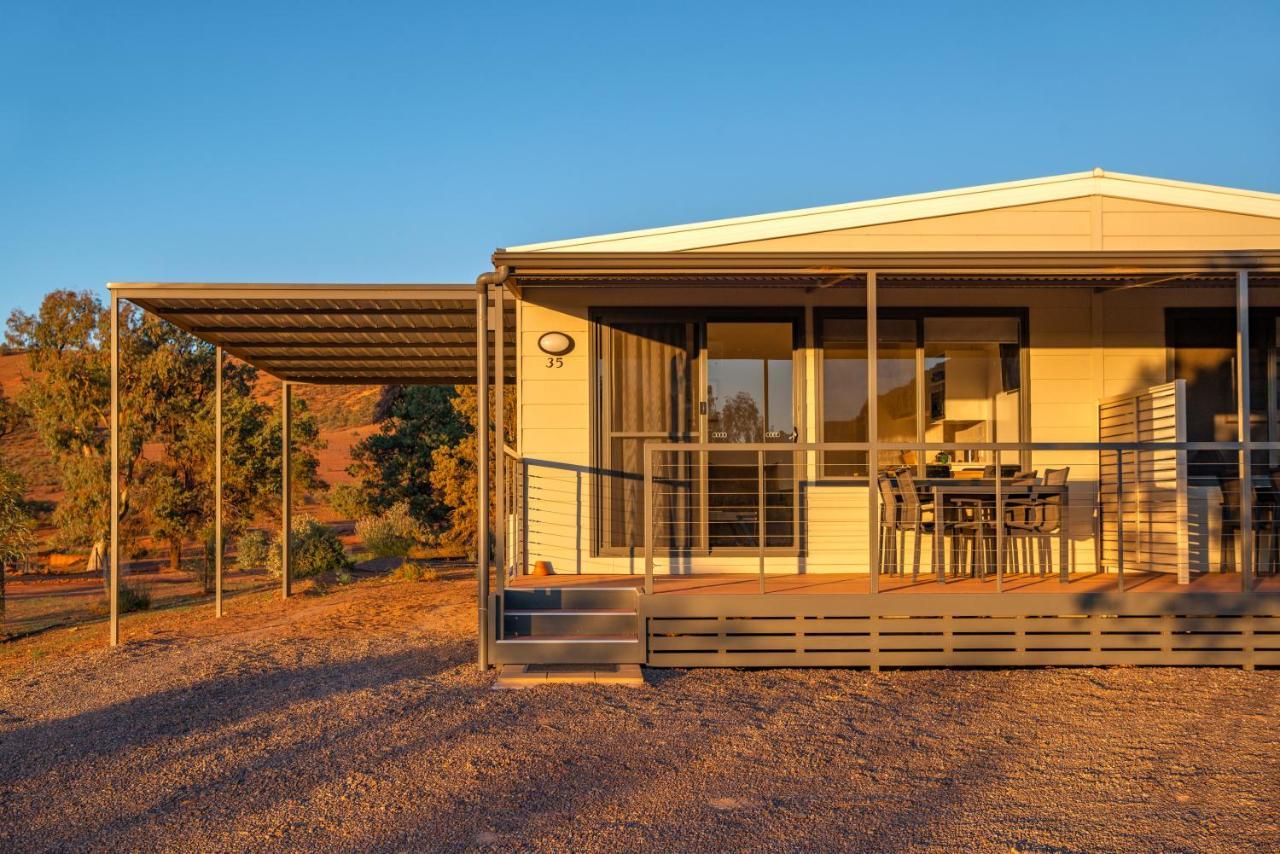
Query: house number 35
<point x="555" y="362"/>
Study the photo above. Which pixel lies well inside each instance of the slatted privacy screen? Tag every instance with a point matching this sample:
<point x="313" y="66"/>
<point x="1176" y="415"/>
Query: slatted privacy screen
<point x="1142" y="499"/>
<point x="961" y="630"/>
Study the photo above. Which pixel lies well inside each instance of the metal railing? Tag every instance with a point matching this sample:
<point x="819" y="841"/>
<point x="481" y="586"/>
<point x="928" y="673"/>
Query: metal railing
<point x="1135" y="510"/>
<point x="512" y="515"/>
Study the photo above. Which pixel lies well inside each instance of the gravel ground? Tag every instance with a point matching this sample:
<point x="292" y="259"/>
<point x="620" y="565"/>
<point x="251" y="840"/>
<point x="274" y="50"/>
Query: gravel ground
<point x="355" y="720"/>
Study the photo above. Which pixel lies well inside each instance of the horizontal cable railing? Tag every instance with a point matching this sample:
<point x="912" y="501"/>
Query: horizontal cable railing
<point x="1118" y="515"/>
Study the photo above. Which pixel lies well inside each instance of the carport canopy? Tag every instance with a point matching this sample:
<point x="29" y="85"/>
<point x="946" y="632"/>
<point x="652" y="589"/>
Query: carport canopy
<point x="347" y="334"/>
<point x="333" y="334"/>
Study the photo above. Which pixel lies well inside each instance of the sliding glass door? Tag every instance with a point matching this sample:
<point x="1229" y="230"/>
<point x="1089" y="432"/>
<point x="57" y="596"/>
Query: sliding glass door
<point x="646" y="387"/>
<point x="696" y="376"/>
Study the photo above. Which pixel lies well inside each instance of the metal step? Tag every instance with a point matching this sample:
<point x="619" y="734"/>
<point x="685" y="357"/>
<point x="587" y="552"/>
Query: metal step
<point x="570" y="649"/>
<point x="570" y="612"/>
<point x="523" y="623"/>
<point x="570" y="598"/>
<point x="573" y="639"/>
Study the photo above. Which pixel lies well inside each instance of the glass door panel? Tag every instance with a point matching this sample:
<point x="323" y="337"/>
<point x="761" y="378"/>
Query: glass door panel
<point x="750" y="399"/>
<point x="844" y="394"/>
<point x="648" y="397"/>
<point x="896" y="386"/>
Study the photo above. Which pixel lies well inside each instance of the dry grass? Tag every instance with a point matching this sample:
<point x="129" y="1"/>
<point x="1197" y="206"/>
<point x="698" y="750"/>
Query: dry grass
<point x="357" y="720"/>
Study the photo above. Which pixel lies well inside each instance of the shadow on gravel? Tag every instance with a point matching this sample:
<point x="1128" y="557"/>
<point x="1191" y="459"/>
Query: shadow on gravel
<point x="211" y="705"/>
<point x="201" y="744"/>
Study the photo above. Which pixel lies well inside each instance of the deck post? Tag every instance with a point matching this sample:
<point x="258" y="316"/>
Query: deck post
<point x="114" y="592"/>
<point x="1120" y="520"/>
<point x="873" y="436"/>
<point x="1245" y="437"/>
<point x="648" y="520"/>
<point x="760" y="513"/>
<point x="999" y="527"/>
<point x="286" y="489"/>
<point x="482" y="471"/>
<point x="217" y="481"/>
<point x="499" y="440"/>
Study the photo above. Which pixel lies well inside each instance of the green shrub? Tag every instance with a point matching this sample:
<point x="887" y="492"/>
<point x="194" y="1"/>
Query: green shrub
<point x="414" y="571"/>
<point x="315" y="547"/>
<point x="349" y="501"/>
<point x="134" y="599"/>
<point x="393" y="534"/>
<point x="253" y="550"/>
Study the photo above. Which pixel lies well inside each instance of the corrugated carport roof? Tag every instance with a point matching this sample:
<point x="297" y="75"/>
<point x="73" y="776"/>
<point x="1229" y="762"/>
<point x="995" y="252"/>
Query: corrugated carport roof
<point x="332" y="334"/>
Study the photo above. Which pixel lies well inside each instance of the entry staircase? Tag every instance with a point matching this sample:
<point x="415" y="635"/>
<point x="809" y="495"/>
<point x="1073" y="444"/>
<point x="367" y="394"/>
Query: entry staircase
<point x="570" y="625"/>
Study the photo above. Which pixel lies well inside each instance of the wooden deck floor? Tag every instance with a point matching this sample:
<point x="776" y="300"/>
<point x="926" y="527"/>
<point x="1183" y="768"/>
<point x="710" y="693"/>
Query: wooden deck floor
<point x="830" y="584"/>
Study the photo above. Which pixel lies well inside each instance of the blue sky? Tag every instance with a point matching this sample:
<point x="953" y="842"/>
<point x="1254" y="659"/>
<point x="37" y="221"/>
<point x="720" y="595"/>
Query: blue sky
<point x="370" y="141"/>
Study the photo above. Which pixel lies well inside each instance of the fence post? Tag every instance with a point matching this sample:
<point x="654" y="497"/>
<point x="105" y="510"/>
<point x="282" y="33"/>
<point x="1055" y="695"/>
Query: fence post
<point x="1244" y="435"/>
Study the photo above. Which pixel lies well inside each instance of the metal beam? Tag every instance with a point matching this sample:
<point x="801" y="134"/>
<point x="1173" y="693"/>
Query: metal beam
<point x="531" y="265"/>
<point x="331" y="329"/>
<point x="1242" y="416"/>
<point x="217" y="483"/>
<point x="499" y="442"/>
<point x="286" y="489"/>
<point x="1146" y="283"/>
<point x="463" y="309"/>
<point x="138" y="292"/>
<point x="114" y="593"/>
<point x="482" y="472"/>
<point x="381" y="379"/>
<point x="439" y="360"/>
<point x="272" y="343"/>
<point x="873" y="430"/>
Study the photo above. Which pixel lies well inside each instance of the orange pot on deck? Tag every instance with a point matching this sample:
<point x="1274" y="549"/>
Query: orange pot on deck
<point x="542" y="567"/>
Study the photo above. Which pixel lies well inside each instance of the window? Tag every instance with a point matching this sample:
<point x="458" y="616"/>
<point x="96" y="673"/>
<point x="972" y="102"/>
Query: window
<point x="944" y="378"/>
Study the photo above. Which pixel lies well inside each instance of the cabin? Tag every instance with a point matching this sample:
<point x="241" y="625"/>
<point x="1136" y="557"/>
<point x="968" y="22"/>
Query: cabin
<point x="1027" y="423"/>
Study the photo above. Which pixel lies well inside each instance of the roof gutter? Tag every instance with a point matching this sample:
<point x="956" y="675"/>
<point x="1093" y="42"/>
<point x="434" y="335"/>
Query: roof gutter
<point x="532" y="265"/>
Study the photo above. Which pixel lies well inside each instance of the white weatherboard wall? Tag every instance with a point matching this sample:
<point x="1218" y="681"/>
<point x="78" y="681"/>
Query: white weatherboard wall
<point x="1085" y="346"/>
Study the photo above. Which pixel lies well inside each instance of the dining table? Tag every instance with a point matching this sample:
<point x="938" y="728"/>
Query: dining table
<point x="986" y="492"/>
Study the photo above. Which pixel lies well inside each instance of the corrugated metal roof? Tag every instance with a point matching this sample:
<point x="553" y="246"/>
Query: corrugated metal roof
<point x="333" y="334"/>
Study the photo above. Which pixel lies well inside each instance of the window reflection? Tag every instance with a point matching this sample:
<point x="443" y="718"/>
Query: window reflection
<point x="940" y="379"/>
<point x="973" y="382"/>
<point x="749" y="382"/>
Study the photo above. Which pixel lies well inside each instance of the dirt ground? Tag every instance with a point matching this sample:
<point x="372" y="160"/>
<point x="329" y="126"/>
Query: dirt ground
<point x="355" y="719"/>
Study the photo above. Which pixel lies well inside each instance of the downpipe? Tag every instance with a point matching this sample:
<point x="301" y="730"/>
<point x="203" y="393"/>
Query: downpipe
<point x="483" y="283"/>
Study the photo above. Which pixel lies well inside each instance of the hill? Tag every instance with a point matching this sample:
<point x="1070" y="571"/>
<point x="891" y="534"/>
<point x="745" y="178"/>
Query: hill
<point x="345" y="415"/>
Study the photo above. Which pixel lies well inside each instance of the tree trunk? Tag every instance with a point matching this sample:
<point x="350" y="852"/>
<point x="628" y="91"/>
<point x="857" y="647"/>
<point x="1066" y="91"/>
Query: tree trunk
<point x="175" y="554"/>
<point x="98" y="562"/>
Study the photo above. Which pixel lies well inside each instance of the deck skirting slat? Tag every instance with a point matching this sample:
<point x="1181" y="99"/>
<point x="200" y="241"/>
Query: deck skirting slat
<point x="777" y="630"/>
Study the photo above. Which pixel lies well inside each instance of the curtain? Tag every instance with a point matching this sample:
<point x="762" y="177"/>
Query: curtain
<point x="650" y="399"/>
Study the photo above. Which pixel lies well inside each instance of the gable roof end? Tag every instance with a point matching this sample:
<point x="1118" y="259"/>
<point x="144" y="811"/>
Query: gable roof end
<point x="702" y="235"/>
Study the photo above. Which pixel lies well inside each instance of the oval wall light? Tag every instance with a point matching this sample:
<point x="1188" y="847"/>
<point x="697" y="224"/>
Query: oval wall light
<point x="555" y="343"/>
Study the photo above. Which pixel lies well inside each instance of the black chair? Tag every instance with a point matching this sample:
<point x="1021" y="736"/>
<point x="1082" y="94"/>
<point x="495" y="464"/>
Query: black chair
<point x="890" y="517"/>
<point x="1266" y="521"/>
<point x="1036" y="519"/>
<point x="916" y="516"/>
